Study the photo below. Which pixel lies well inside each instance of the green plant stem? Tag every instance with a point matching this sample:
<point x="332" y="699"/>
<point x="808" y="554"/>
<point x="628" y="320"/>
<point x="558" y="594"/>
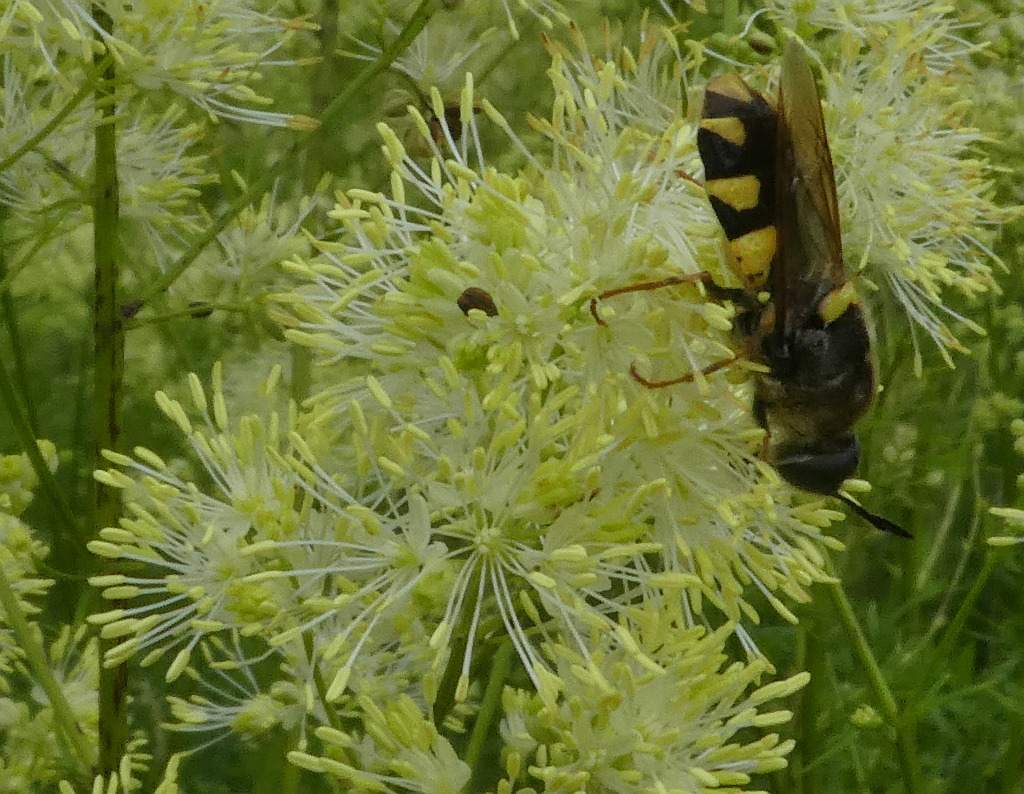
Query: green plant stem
<point x="20" y="379"/>
<point x="956" y="625"/>
<point x="731" y="17"/>
<point x="35" y="657"/>
<point x="501" y="666"/>
<point x="319" y="684"/>
<point x="952" y="587"/>
<point x="38" y="242"/>
<point x="322" y="79"/>
<point x="69" y="106"/>
<point x="1012" y="761"/>
<point x="291" y="775"/>
<point x="14" y="395"/>
<point x="108" y="372"/>
<point x="412" y="28"/>
<point x="445" y="697"/>
<point x="10" y="321"/>
<point x="812" y="659"/>
<point x="902" y="726"/>
<point x="937" y="542"/>
<point x="182" y="314"/>
<point x="72" y="531"/>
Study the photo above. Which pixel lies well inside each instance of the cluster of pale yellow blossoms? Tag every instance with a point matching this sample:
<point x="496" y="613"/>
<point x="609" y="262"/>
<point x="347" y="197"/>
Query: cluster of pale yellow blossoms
<point x="481" y="475"/>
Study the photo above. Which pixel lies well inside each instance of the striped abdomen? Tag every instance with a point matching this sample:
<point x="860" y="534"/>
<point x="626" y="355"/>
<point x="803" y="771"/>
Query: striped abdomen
<point x="736" y="141"/>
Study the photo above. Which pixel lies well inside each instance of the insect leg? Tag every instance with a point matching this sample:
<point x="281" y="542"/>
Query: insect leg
<point x="715" y="291"/>
<point x="687" y="378"/>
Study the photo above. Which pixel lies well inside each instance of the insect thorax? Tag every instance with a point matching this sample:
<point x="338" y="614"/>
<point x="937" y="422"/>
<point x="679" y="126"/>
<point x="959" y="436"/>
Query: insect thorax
<point x="820" y="380"/>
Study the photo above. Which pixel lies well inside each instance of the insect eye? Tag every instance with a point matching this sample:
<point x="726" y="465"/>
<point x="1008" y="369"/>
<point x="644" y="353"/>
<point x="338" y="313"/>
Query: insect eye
<point x="820" y="467"/>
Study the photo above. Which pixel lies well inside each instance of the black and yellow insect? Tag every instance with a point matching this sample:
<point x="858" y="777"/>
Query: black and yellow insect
<point x="770" y="180"/>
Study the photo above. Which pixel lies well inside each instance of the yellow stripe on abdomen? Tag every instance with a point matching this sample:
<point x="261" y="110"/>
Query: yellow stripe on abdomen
<point x="752" y="255"/>
<point x="739" y="192"/>
<point x="729" y="128"/>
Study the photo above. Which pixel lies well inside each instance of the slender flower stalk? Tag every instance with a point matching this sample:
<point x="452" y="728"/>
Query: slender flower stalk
<point x="108" y="374"/>
<point x="901" y="723"/>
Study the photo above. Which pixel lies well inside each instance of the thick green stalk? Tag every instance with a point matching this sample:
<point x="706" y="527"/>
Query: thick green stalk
<point x="108" y="371"/>
<point x="811" y="657"/>
<point x="902" y="726"/>
<point x="334" y="111"/>
<point x="35" y="658"/>
<point x="486" y="717"/>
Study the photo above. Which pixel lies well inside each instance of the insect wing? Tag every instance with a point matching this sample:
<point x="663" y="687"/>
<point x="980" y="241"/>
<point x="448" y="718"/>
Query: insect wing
<point x="809" y="262"/>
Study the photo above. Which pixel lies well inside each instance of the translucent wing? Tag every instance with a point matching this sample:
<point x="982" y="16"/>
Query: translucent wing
<point x="809" y="262"/>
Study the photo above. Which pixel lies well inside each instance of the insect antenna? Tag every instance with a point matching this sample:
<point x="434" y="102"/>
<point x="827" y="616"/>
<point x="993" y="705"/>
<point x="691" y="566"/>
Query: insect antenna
<point x="877" y="522"/>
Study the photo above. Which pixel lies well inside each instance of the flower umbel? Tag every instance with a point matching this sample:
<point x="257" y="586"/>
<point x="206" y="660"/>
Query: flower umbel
<point x="612" y="724"/>
<point x="914" y="193"/>
<point x="398" y="749"/>
<point x="206" y="52"/>
<point x="202" y="546"/>
<point x="563" y="491"/>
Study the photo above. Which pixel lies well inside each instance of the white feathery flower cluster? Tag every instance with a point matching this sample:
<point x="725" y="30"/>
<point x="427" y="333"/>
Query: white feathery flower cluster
<point x="398" y="749"/>
<point x="916" y="194"/>
<point x="457" y="310"/>
<point x="197" y="550"/>
<point x="207" y="52"/>
<point x="863" y="17"/>
<point x="244" y="267"/>
<point x="484" y="468"/>
<point x="480" y="467"/>
<point x="673" y="724"/>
